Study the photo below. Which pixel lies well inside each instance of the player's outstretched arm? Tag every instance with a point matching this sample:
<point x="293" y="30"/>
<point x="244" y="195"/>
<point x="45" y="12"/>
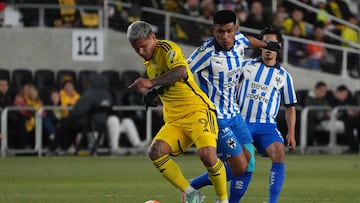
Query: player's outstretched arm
<point x="254" y="42"/>
<point x="170" y="77"/>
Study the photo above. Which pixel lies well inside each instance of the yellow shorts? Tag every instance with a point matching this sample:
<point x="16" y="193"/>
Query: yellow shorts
<point x="199" y="128"/>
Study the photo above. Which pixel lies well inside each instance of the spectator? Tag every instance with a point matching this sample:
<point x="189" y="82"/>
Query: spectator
<point x="69" y="15"/>
<point x="91" y="110"/>
<point x="309" y="16"/>
<point x="208" y="9"/>
<point x="191" y="8"/>
<point x="279" y="16"/>
<point x="351" y="35"/>
<point x="241" y="13"/>
<point x="347" y="120"/>
<point x="257" y="18"/>
<point x="317" y="97"/>
<point x="322" y="16"/>
<point x="6" y="100"/>
<point x="184" y="29"/>
<point x="296" y="18"/>
<point x="226" y="5"/>
<point x="297" y="51"/>
<point x="55" y="115"/>
<point x="116" y="127"/>
<point x="317" y="52"/>
<point x="338" y="8"/>
<point x="29" y="97"/>
<point x="68" y="95"/>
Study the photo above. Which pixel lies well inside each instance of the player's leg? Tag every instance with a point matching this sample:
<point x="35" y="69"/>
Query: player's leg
<point x="277" y="173"/>
<point x="269" y="142"/>
<point x="203" y="131"/>
<point x="159" y="152"/>
<point x="239" y="184"/>
<point x="227" y="146"/>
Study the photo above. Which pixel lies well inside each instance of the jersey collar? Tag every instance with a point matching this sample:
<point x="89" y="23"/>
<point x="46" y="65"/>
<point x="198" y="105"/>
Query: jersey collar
<point x="277" y="65"/>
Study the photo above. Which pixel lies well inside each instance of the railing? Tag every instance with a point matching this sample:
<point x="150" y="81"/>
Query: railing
<point x="38" y="148"/>
<point x="4" y="130"/>
<point x="332" y="147"/>
<point x="332" y="18"/>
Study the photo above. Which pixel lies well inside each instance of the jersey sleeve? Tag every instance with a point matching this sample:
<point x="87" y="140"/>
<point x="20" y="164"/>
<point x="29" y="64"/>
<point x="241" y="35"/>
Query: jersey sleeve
<point x="174" y="56"/>
<point x="289" y="94"/>
<point x="199" y="59"/>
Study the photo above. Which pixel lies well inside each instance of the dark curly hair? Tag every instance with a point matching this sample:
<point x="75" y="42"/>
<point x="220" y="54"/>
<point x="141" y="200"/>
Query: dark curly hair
<point x="271" y="29"/>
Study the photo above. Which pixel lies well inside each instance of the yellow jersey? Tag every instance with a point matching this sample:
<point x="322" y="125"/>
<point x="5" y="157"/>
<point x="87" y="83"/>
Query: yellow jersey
<point x="183" y="97"/>
<point x="67" y="100"/>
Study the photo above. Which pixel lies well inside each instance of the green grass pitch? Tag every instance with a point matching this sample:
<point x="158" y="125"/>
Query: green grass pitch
<point x="133" y="179"/>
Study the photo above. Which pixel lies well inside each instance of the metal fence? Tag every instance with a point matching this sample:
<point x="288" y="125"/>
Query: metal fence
<point x="332" y="147"/>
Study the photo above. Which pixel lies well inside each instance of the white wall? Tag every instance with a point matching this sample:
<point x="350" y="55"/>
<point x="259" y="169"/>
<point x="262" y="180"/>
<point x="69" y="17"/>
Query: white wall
<point x="35" y="48"/>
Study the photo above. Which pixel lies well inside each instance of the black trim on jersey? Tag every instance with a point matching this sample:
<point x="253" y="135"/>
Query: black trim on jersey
<point x="277" y="65"/>
<point x="164" y="45"/>
<point x="186" y="82"/>
<point x="290" y="105"/>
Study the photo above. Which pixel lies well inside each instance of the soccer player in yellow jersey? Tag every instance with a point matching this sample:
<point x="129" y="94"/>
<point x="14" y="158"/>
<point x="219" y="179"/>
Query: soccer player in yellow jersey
<point x="189" y="115"/>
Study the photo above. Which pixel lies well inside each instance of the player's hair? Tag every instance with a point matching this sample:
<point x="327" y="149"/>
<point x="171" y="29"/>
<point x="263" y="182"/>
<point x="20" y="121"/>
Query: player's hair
<point x="224" y="17"/>
<point x="138" y="30"/>
<point x="271" y="29"/>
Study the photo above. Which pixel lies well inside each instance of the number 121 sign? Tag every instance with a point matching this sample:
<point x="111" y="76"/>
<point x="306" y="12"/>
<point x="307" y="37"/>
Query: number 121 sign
<point x="87" y="45"/>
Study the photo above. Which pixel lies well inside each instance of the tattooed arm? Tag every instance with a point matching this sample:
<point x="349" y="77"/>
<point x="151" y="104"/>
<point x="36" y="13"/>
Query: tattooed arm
<point x="168" y="78"/>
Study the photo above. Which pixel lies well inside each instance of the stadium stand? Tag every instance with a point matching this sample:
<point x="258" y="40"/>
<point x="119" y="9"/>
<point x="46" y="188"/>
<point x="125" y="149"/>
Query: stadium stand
<point x="44" y="80"/>
<point x="20" y="77"/>
<point x="39" y="15"/>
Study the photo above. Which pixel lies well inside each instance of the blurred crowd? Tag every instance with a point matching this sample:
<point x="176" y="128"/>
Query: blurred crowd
<point x="75" y="106"/>
<point x="67" y="89"/>
<point x="347" y="118"/>
<point x="295" y="21"/>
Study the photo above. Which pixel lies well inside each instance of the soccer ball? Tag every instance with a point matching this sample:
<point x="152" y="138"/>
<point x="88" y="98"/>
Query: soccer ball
<point x="152" y="201"/>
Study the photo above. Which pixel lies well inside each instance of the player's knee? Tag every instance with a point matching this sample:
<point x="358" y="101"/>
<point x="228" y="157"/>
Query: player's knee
<point x="158" y="149"/>
<point x="238" y="164"/>
<point x="276" y="152"/>
<point x="208" y="156"/>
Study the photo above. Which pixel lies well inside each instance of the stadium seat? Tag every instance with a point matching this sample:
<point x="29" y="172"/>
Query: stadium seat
<point x="44" y="80"/>
<point x="113" y="78"/>
<point x="5" y="74"/>
<point x="20" y="77"/>
<point x="62" y="74"/>
<point x="128" y="76"/>
<point x="83" y="79"/>
<point x="357" y="96"/>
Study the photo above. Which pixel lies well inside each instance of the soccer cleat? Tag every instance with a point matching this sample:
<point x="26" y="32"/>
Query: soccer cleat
<point x="194" y="197"/>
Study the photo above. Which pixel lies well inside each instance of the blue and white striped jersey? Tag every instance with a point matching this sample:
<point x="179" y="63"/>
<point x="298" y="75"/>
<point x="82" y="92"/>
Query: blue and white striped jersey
<point x="262" y="90"/>
<point x="217" y="72"/>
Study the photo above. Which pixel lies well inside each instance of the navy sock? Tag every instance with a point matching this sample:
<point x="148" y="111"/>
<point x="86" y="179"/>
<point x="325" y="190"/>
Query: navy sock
<point x="277" y="174"/>
<point x="203" y="179"/>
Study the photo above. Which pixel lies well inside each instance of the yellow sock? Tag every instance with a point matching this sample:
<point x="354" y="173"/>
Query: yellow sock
<point x="217" y="174"/>
<point x="171" y="171"/>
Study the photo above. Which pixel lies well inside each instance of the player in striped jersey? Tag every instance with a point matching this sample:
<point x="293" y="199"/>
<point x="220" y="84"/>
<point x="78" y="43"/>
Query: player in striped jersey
<point x="264" y="85"/>
<point x="189" y="115"/>
<point x="217" y="67"/>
